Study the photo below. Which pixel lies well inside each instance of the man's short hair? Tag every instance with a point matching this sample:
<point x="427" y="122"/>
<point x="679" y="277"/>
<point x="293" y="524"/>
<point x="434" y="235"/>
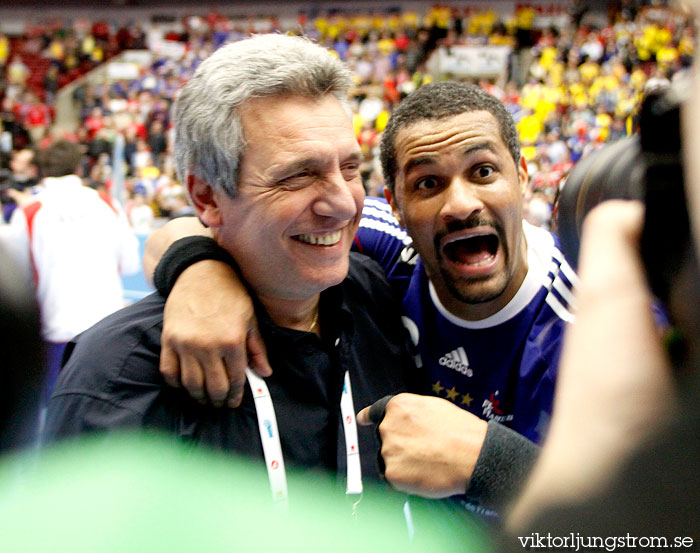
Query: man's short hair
<point x="209" y="141"/>
<point x="438" y="101"/>
<point x="60" y="159"/>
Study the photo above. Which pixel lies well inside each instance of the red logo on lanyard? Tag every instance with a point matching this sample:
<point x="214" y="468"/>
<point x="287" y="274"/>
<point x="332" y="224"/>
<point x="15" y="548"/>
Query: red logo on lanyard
<point x="275" y="464"/>
<point x="348" y="419"/>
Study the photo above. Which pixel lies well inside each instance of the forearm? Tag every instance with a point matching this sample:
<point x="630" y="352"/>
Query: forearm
<point x="161" y="239"/>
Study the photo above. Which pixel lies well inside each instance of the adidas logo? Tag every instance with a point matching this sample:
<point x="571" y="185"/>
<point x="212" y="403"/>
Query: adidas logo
<point x="458" y="361"/>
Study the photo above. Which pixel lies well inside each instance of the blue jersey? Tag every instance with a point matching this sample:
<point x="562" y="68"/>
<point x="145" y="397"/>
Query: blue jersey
<point x="502" y="367"/>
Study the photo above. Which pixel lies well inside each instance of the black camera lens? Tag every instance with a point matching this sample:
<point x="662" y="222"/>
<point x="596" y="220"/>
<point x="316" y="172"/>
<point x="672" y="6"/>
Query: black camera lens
<point x="616" y="171"/>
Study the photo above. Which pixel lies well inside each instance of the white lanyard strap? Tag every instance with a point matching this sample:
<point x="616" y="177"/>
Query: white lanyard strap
<point x="272" y="448"/>
<point x="269" y="435"/>
<point x="352" y="447"/>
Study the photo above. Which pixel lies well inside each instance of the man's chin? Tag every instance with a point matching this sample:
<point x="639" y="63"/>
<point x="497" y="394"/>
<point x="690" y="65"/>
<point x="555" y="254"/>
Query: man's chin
<point x="476" y="291"/>
<point x="328" y="277"/>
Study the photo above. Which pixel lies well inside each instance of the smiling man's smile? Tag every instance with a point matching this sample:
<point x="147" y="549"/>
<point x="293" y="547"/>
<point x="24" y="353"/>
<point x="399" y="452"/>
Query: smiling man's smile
<point x="327" y="239"/>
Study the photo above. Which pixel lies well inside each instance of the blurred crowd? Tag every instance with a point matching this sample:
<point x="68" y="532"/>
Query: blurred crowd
<point x="573" y="84"/>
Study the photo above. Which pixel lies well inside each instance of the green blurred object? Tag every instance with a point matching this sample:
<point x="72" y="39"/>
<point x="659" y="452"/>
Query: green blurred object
<point x="135" y="493"/>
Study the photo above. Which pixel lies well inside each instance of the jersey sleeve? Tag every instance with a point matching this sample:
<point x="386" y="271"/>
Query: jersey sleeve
<point x="382" y="239"/>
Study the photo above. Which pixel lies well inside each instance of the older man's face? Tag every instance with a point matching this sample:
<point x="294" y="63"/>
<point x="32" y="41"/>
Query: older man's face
<point x="300" y="197"/>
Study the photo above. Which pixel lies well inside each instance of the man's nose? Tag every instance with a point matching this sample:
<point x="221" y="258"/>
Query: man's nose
<point x="336" y="199"/>
<point x="461" y="200"/>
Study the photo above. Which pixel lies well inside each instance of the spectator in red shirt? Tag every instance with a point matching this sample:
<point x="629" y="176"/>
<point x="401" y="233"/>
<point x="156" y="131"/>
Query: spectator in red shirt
<point x="95" y="122"/>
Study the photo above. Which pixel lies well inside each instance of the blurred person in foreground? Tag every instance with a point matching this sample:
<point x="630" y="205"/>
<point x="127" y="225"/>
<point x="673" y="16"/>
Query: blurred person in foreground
<point x="73" y="246"/>
<point x="620" y="464"/>
<point x="621" y="456"/>
<point x="486" y="303"/>
<point x="22" y="358"/>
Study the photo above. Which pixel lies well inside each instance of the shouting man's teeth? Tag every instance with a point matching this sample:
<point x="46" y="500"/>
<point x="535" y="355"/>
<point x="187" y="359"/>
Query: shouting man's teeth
<point x="320" y="239"/>
<point x="474" y="251"/>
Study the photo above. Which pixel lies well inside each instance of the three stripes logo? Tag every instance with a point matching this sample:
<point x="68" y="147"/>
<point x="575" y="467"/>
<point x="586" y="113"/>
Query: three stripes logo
<point x="457" y="360"/>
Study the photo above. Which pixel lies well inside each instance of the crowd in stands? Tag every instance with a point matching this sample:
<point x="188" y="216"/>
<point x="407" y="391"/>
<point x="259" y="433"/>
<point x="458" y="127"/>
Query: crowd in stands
<point x="34" y="66"/>
<point x="581" y="89"/>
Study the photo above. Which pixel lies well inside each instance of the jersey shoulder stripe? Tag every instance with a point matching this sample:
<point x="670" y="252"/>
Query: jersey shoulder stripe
<point x="565" y="269"/>
<point x="377" y="203"/>
<point x="559" y="308"/>
<point x="380" y="214"/>
<point x="387" y="228"/>
<point x="560" y="283"/>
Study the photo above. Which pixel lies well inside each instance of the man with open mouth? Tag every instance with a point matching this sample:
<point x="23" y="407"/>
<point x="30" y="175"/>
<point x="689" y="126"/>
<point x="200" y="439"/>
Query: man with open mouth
<point x="486" y="298"/>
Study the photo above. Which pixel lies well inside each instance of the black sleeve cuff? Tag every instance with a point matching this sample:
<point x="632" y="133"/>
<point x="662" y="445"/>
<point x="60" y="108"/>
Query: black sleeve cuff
<point x="183" y="253"/>
<point x="504" y="463"/>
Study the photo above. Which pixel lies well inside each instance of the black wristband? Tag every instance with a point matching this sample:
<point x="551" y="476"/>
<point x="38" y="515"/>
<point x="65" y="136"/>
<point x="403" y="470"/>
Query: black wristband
<point x="502" y="467"/>
<point x="183" y="253"/>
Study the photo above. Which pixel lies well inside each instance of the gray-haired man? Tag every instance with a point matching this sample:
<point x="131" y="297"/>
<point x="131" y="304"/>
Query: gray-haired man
<point x="271" y="163"/>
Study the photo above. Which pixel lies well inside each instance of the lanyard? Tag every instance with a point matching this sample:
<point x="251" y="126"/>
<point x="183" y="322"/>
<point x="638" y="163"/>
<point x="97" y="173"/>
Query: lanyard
<point x="272" y="448"/>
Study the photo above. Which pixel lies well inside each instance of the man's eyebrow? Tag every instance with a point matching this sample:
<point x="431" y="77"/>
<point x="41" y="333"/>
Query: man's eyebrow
<point x="312" y="163"/>
<point x="289" y="169"/>
<point x="428" y="160"/>
<point x="355" y="156"/>
<point x="417" y="162"/>
<point x="486" y="145"/>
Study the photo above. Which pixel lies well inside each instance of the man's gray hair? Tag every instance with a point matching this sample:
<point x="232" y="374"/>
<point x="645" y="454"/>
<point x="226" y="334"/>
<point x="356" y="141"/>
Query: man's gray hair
<point x="209" y="141"/>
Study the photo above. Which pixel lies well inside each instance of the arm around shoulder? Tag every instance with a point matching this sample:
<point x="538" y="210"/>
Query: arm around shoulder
<point x="161" y="239"/>
<point x="209" y="330"/>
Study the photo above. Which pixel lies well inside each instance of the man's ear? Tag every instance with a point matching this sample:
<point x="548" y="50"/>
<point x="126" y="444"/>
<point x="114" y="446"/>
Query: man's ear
<point x="522" y="175"/>
<point x="392" y="202"/>
<point x="205" y="201"/>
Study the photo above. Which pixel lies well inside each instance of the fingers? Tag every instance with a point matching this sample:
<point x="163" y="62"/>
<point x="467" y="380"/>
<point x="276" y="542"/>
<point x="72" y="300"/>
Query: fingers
<point x="251" y="354"/>
<point x="206" y="330"/>
<point x="170" y="366"/>
<point x="429" y="446"/>
<point x="216" y="379"/>
<point x="363" y="417"/>
<point x="257" y="354"/>
<point x="609" y="260"/>
<point x="235" y="393"/>
<point x="221" y="380"/>
<point x="374" y="414"/>
<point x="236" y="363"/>
<point x="192" y="377"/>
<point x="214" y="373"/>
<point x="622" y="218"/>
<point x="378" y="409"/>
